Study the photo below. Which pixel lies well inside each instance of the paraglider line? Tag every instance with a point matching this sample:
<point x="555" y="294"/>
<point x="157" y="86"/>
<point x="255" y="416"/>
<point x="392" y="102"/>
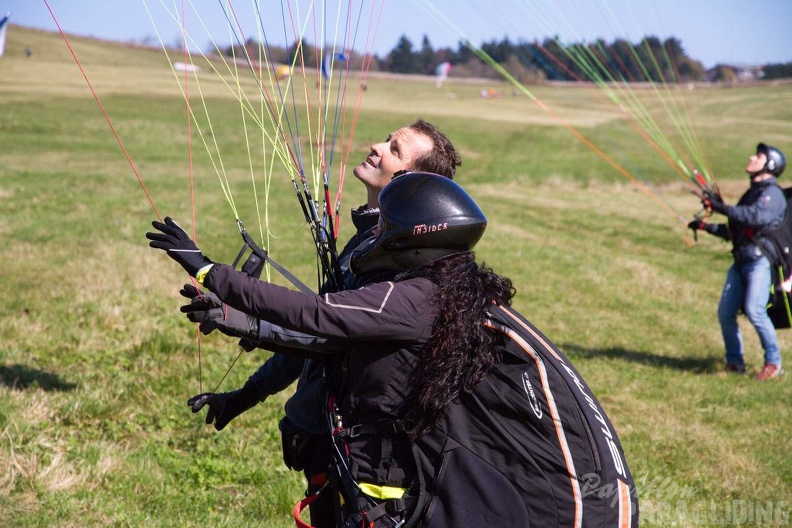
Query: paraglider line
<point x="104" y="112"/>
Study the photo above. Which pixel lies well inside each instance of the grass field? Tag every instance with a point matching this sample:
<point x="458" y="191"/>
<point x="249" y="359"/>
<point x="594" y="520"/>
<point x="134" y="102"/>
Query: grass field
<point x="96" y="362"/>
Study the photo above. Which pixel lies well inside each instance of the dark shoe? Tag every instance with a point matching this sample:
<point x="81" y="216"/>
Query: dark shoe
<point x="769" y="371"/>
<point x="735" y="368"/>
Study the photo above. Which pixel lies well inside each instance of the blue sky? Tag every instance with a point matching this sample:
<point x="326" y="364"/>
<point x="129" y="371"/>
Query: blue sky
<point x="742" y="32"/>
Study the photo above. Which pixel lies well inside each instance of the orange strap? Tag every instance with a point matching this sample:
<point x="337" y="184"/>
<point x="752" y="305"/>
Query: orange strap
<point x="299" y="507"/>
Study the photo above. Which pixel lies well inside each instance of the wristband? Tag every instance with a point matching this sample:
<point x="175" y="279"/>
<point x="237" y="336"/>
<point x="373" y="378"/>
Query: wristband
<point x="200" y="275"/>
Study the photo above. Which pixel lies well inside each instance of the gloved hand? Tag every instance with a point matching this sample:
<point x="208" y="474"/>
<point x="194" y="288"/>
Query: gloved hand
<point x="210" y="313"/>
<point x="225" y="406"/>
<point x="178" y="245"/>
<point x="699" y="224"/>
<point x="714" y="202"/>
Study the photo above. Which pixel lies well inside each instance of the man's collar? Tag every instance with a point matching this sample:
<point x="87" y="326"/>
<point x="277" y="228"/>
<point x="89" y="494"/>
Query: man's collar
<point x="365" y="217"/>
<point x="769" y="180"/>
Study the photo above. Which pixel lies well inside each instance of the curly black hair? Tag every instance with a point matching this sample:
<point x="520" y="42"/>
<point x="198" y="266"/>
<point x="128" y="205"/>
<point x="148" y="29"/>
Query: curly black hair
<point x="461" y="351"/>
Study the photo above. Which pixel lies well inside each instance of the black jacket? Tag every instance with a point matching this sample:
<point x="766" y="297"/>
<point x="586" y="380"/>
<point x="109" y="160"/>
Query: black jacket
<point x="761" y="207"/>
<point x="384" y="326"/>
<point x="304" y="408"/>
<point x="530" y="446"/>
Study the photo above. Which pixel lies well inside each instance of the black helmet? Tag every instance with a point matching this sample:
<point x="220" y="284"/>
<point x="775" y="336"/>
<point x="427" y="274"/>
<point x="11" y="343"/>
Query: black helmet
<point x="776" y="162"/>
<point x="423" y="217"/>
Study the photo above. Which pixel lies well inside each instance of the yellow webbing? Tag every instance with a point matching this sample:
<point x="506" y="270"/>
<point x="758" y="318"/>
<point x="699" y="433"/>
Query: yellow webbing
<point x="382" y="492"/>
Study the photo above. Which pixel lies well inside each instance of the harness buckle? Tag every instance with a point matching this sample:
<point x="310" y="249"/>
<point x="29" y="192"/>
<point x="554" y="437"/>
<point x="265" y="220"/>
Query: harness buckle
<point x="354" y="431"/>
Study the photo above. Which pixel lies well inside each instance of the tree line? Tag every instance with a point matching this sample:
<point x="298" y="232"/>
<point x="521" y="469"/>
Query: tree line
<point x="649" y="60"/>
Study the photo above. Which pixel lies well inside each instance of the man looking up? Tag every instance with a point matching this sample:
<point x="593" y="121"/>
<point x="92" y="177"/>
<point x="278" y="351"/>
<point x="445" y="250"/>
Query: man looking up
<point x="749" y="279"/>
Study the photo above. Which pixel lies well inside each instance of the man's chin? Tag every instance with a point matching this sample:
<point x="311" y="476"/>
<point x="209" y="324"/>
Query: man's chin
<point x="364" y="172"/>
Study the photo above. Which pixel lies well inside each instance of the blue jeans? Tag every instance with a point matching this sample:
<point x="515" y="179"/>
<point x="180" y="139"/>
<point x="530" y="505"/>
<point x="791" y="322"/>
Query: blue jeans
<point x="748" y="288"/>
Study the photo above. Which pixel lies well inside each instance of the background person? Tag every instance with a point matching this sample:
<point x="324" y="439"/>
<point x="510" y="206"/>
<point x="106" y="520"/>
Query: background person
<point x="749" y="279"/>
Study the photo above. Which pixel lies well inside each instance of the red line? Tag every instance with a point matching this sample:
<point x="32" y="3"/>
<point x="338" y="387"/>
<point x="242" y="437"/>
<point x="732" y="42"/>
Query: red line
<point x="104" y="112"/>
<point x="189" y="121"/>
<point x="256" y="67"/>
<point x="632" y="120"/>
<point x="368" y="53"/>
<point x="191" y="176"/>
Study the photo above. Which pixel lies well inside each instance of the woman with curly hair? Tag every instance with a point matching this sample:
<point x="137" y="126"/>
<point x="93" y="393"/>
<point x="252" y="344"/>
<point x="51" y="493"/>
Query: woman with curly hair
<point x="460" y="352"/>
<point x="447" y="411"/>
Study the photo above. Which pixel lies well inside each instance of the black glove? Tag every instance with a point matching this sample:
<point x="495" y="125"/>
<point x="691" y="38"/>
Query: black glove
<point x="714" y="202"/>
<point x="698" y="224"/>
<point x="178" y="245"/>
<point x="210" y="313"/>
<point x="226" y="406"/>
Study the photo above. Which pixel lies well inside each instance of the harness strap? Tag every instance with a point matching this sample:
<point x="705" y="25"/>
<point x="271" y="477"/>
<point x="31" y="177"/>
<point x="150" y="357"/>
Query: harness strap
<point x="382" y="492"/>
<point x="263" y="255"/>
<point x="307" y="501"/>
<point x="382" y="515"/>
<point x="385" y="431"/>
<point x="374" y="429"/>
<point x="299" y="507"/>
<point x="365" y="511"/>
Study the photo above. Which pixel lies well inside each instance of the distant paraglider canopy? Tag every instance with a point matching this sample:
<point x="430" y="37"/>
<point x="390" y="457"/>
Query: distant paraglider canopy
<point x="3" y="28"/>
<point x="327" y="63"/>
<point x="441" y="73"/>
<point x="282" y="72"/>
<point x="186" y="67"/>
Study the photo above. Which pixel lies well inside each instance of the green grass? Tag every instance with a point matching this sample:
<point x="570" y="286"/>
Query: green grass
<point x="96" y="363"/>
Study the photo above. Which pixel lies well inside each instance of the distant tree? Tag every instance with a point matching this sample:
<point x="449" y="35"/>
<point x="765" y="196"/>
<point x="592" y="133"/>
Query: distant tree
<point x="294" y="53"/>
<point x="277" y="55"/>
<point x="649" y="60"/>
<point x="499" y="51"/>
<point x="526" y="52"/>
<point x="582" y="62"/>
<point x="445" y="55"/>
<point x="463" y="53"/>
<point x="302" y="53"/>
<point x="557" y="63"/>
<point x="522" y="72"/>
<point x="622" y="52"/>
<point x="602" y="66"/>
<point x="691" y="70"/>
<point x="425" y="60"/>
<point x="722" y="73"/>
<point x="475" y="67"/>
<point x="649" y="54"/>
<point x="686" y="68"/>
<point x="777" y="71"/>
<point x="674" y="49"/>
<point x="402" y="58"/>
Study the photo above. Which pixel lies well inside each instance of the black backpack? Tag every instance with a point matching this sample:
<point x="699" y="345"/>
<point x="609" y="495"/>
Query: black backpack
<point x="531" y="446"/>
<point x="781" y="262"/>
